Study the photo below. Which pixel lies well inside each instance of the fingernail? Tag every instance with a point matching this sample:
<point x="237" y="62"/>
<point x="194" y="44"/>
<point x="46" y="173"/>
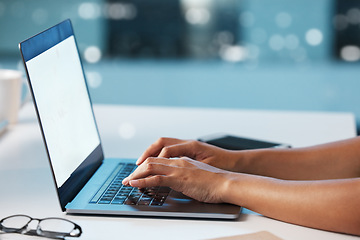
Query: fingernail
<point x="125" y="181"/>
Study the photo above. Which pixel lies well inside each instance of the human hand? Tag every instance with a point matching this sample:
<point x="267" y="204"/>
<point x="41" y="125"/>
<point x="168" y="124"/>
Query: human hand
<point x="195" y="179"/>
<point x="203" y="152"/>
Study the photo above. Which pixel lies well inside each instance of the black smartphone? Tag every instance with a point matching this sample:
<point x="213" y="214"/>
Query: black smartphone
<point x="231" y="142"/>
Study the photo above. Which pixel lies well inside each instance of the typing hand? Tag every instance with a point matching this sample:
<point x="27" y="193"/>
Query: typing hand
<point x="193" y="178"/>
<point x="171" y="148"/>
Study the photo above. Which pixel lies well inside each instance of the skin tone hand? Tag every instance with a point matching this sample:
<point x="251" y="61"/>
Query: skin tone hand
<point x="317" y="187"/>
<point x="312" y="163"/>
<point x="193" y="178"/>
<point x="325" y="204"/>
<point x="171" y="147"/>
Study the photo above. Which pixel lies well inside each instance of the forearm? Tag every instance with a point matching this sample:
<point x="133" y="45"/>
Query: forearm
<point x="328" y="204"/>
<point x="327" y="161"/>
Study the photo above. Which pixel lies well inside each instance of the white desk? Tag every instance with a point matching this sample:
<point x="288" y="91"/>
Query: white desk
<point x="27" y="187"/>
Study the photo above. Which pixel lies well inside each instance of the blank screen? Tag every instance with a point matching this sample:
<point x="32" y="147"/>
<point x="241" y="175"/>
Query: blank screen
<point x="64" y="107"/>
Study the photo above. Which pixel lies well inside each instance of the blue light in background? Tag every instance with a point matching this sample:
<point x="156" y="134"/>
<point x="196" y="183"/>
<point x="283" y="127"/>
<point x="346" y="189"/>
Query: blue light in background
<point x="280" y="55"/>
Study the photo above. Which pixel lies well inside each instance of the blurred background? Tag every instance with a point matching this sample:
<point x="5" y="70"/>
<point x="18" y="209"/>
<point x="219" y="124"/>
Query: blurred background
<point x="248" y="54"/>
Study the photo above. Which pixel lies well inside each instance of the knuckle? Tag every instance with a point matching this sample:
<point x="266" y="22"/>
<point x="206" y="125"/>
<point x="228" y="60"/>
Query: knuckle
<point x="182" y="161"/>
<point x="194" y="143"/>
<point x="149" y="167"/>
<point x="149" y="160"/>
<point x="158" y="180"/>
<point x="186" y="162"/>
<point x="165" y="150"/>
<point x="161" y="140"/>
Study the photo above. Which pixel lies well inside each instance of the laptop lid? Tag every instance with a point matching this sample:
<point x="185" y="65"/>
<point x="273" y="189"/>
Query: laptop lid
<point x="60" y="94"/>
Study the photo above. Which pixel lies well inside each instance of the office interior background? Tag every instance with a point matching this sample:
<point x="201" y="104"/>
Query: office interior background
<point x="249" y="54"/>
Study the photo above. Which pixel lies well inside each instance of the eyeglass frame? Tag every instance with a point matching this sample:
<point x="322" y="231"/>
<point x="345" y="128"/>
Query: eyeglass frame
<point x="38" y="231"/>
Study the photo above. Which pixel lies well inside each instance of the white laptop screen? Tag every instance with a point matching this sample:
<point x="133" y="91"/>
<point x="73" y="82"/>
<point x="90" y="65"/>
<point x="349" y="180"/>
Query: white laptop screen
<point x="64" y="107"/>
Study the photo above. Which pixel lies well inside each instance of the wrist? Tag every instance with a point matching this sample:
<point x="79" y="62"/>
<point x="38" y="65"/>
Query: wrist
<point x="232" y="181"/>
<point x="250" y="161"/>
<point x="242" y="160"/>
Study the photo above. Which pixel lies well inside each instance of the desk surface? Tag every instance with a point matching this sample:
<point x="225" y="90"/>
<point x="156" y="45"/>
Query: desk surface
<point x="27" y="185"/>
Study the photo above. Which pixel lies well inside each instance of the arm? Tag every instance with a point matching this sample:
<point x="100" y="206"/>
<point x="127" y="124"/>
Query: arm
<point x="330" y="205"/>
<point x="324" y="204"/>
<point x="328" y="161"/>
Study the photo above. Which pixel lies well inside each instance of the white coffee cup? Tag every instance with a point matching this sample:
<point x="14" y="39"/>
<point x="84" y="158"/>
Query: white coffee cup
<point x="10" y="94"/>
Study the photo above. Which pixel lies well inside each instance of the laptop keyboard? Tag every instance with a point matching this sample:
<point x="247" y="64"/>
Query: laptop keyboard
<point x="114" y="192"/>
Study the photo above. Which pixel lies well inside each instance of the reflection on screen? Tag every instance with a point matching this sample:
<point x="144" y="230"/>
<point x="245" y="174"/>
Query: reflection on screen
<point x="65" y="110"/>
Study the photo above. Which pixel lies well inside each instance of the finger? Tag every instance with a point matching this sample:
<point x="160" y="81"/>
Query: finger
<point x="155" y="148"/>
<point x="152" y="181"/>
<point x="185" y="149"/>
<point x="152" y="166"/>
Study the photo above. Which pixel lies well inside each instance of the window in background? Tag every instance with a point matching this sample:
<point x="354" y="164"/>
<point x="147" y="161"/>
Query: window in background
<point x="145" y="29"/>
<point x="287" y="31"/>
<point x="272" y="54"/>
<point x="231" y="30"/>
<point x="347" y="30"/>
<point x="171" y="29"/>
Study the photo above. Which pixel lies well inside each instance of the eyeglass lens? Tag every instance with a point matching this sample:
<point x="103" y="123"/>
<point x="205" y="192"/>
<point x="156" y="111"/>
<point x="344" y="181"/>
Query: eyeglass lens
<point x="16" y="222"/>
<point x="49" y="227"/>
<point x="59" y="226"/>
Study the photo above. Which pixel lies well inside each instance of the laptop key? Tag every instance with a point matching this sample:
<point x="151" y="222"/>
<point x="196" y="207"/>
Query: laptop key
<point x="141" y="202"/>
<point x="118" y="201"/>
<point x="122" y="194"/>
<point x="120" y="198"/>
<point x="130" y="202"/>
<point x="145" y="198"/>
<point x="116" y="193"/>
<point x="156" y="203"/>
<point x="106" y="198"/>
<point x="125" y="191"/>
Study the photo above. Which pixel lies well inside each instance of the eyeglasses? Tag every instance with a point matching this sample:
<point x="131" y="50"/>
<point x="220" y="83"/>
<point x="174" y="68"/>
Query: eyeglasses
<point x="56" y="228"/>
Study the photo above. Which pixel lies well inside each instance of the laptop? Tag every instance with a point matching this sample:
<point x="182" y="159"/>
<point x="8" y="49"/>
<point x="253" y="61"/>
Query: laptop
<point x="86" y="182"/>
